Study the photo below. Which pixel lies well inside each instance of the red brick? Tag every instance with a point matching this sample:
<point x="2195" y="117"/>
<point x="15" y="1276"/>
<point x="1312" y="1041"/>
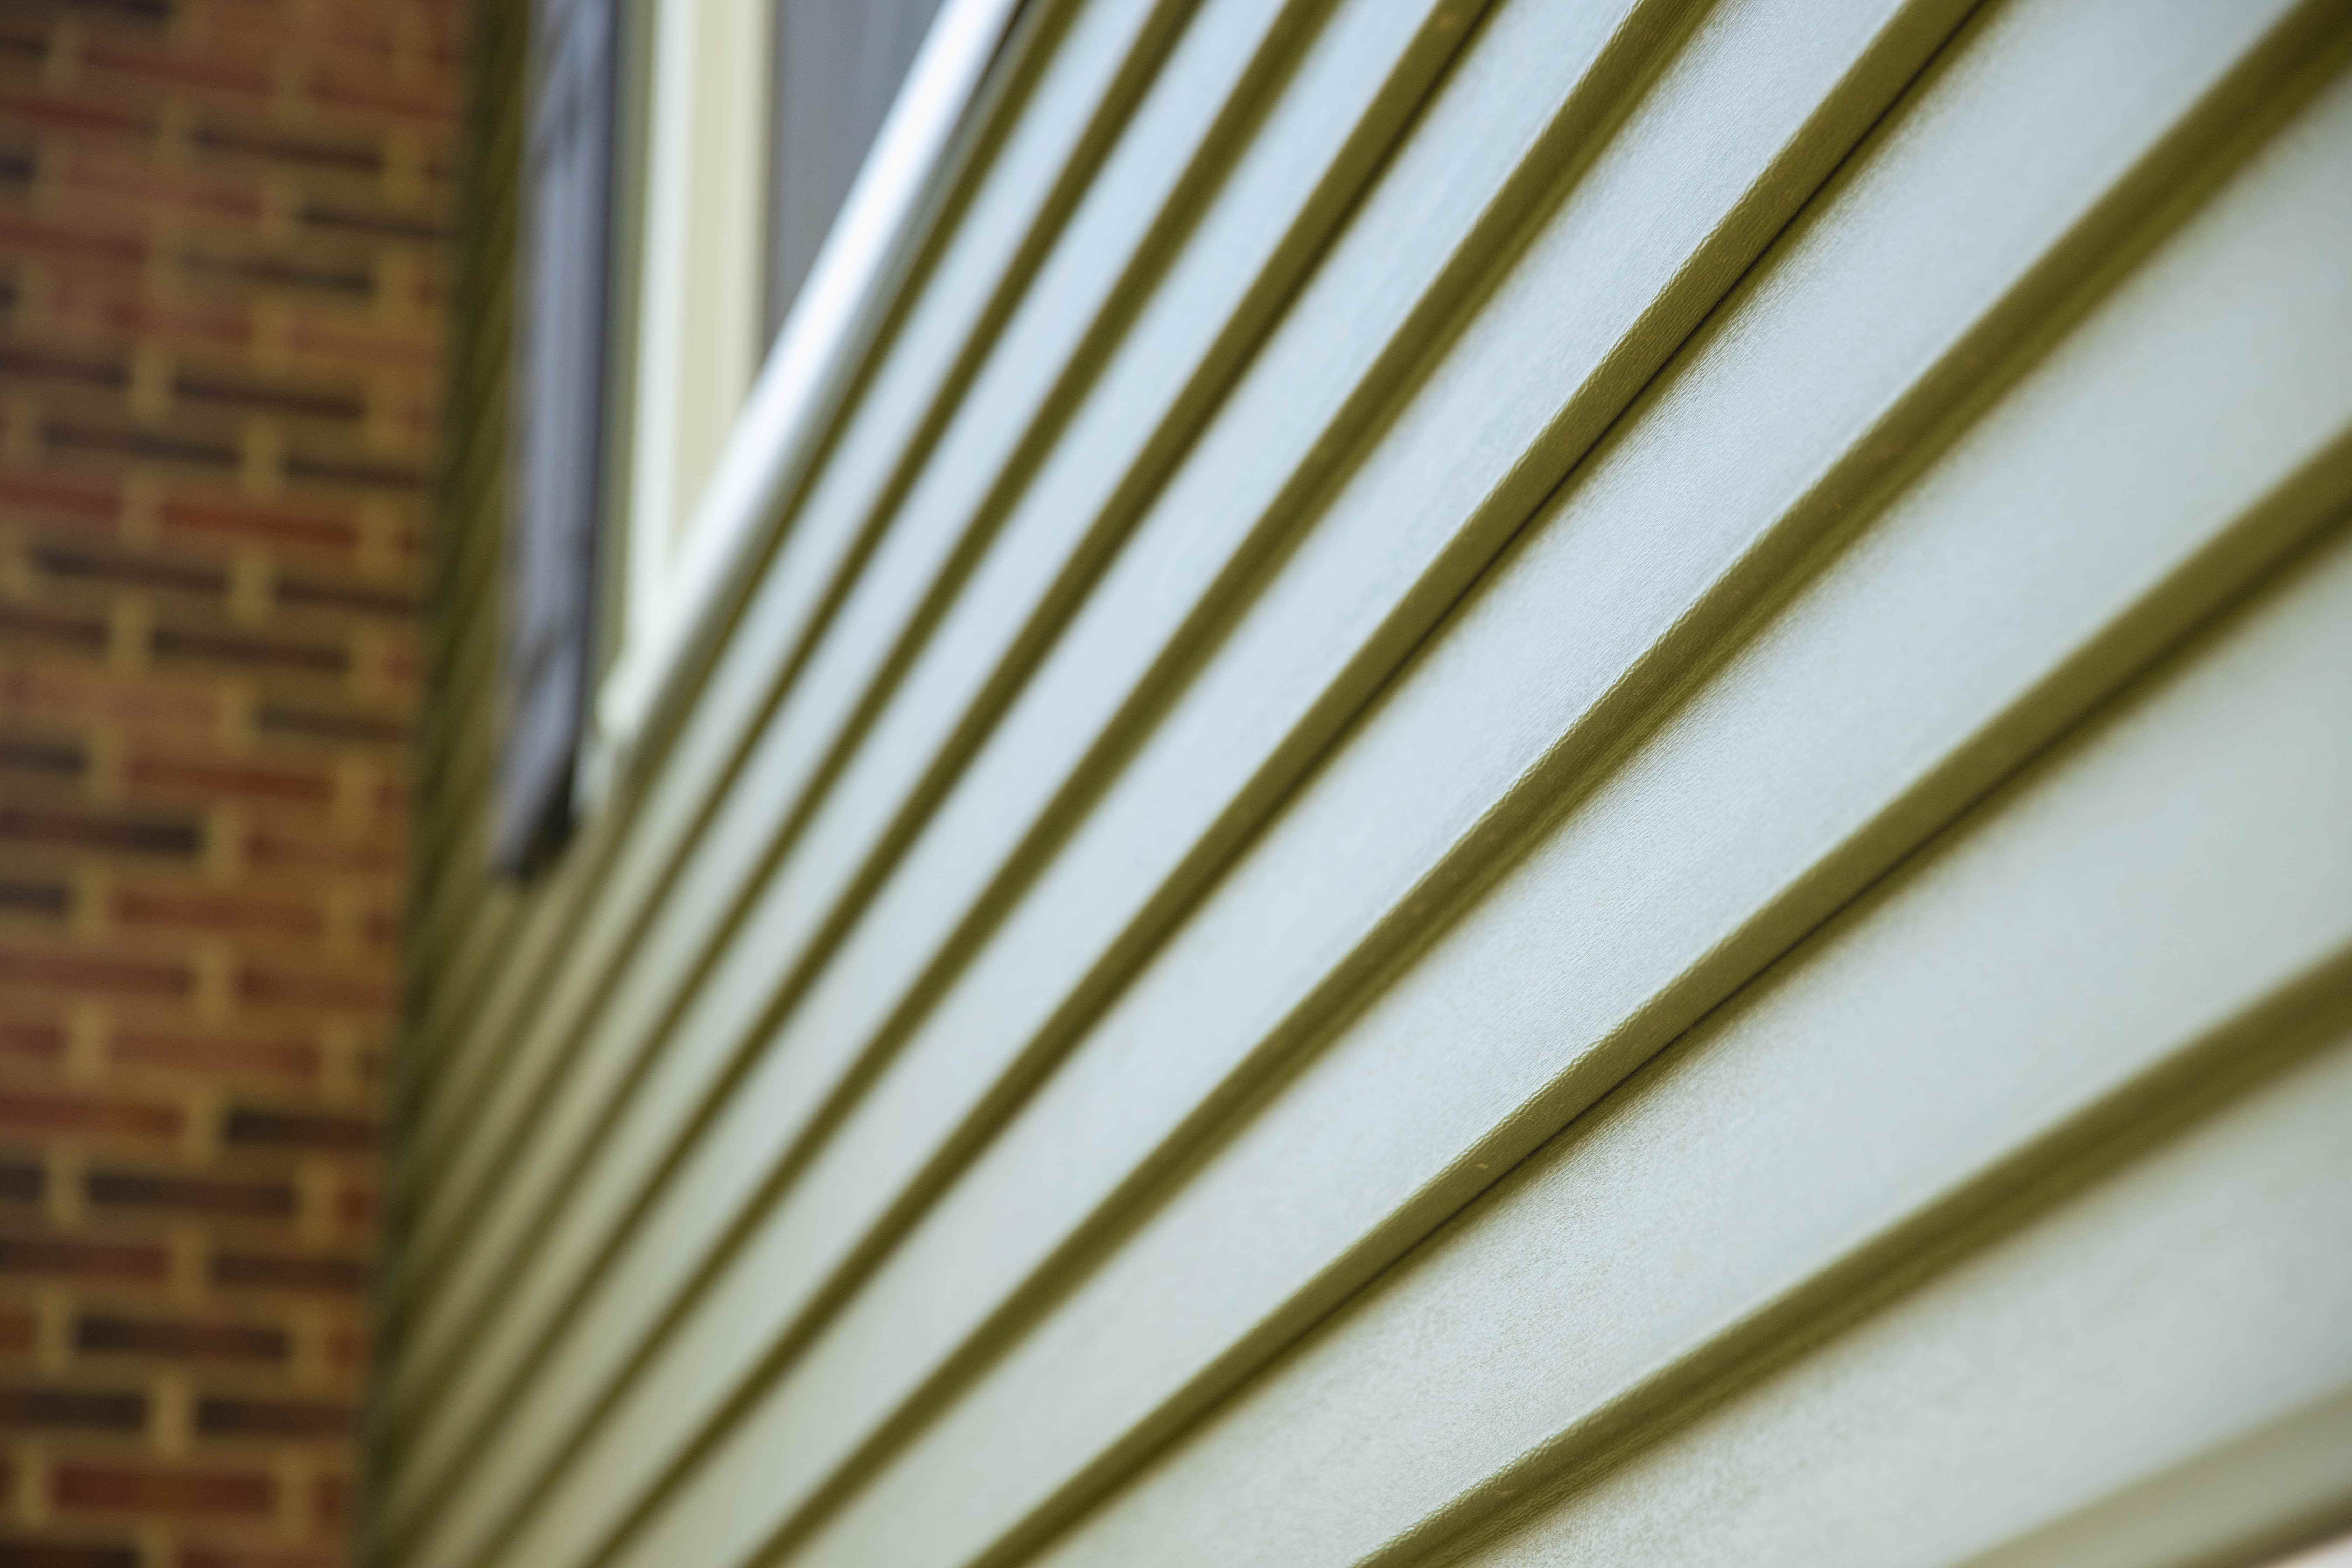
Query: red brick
<point x="87" y="501"/>
<point x="88" y="1486"/>
<point x="70" y="244"/>
<point x="231" y="913"/>
<point x="23" y="1040"/>
<point x="317" y="988"/>
<point x="216" y="1054"/>
<point x="51" y="112"/>
<point x="63" y="969"/>
<point x="355" y="40"/>
<point x="212" y="79"/>
<point x="160" y="1193"/>
<point x="223" y="1415"/>
<point x="175" y="1340"/>
<point x="215" y="264"/>
<point x="82" y="564"/>
<point x="238" y="650"/>
<point x="105" y="1261"/>
<point x="254" y="1126"/>
<point x="306" y="722"/>
<point x="18" y="1551"/>
<point x="52" y="629"/>
<point x="351" y="90"/>
<point x="289" y="1272"/>
<point x="109" y="305"/>
<point x="103" y="174"/>
<point x="46" y="898"/>
<point x="145" y="706"/>
<point x="183" y="777"/>
<point x="54" y="758"/>
<point x="37" y="1409"/>
<point x="23" y="1111"/>
<point x="340" y="336"/>
<point x="283" y="845"/>
<point x="115" y="832"/>
<point x="330" y="1498"/>
<point x="349" y="1350"/>
<point x="225" y="135"/>
<point x="294" y="524"/>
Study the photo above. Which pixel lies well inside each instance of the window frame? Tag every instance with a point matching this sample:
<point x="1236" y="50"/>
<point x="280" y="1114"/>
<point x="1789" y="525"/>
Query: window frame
<point x="677" y="538"/>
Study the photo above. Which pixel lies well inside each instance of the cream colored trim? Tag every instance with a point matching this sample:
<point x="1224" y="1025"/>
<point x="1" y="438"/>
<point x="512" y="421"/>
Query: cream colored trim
<point x="697" y="302"/>
<point x="722" y="520"/>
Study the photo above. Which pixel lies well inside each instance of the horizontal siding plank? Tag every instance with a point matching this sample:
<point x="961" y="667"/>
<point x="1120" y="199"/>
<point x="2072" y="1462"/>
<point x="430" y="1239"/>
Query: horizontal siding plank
<point x="2036" y="1378"/>
<point x="2124" y="906"/>
<point x="1634" y="906"/>
<point x="1350" y="76"/>
<point x="1720" y="219"/>
<point x="800" y="586"/>
<point x="638" y="839"/>
<point x="1515" y="783"/>
<point x="1443" y="241"/>
<point x="866" y="633"/>
<point x="526" y="1034"/>
<point x="2243" y="1499"/>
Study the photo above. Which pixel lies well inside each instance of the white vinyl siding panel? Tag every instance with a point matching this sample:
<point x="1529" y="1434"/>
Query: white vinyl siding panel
<point x="1485" y="722"/>
<point x="886" y="1144"/>
<point x="510" y="1043"/>
<point x="1630" y="901"/>
<point x="1871" y="1087"/>
<point x="862" y="631"/>
<point x="823" y="856"/>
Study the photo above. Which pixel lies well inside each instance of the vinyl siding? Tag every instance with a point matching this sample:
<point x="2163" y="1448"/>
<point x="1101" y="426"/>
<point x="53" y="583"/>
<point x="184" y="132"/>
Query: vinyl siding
<point x="1534" y="782"/>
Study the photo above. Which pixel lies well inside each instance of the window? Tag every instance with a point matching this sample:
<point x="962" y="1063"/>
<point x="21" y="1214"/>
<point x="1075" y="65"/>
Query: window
<point x="788" y="146"/>
<point x="559" y="420"/>
<point x="836" y="68"/>
<point x="699" y="297"/>
<point x="779" y="151"/>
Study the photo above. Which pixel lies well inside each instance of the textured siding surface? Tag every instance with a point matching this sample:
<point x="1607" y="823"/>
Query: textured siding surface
<point x="1520" y="783"/>
<point x="223" y="237"/>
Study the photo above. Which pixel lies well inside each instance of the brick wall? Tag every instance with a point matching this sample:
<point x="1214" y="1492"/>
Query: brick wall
<point x="221" y="227"/>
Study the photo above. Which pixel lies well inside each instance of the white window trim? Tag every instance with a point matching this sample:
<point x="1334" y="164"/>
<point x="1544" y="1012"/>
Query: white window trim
<point x="698" y="297"/>
<point x="683" y="555"/>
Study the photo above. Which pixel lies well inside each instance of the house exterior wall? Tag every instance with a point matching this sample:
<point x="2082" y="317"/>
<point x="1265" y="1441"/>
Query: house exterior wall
<point x="221" y="234"/>
<point x="1517" y="783"/>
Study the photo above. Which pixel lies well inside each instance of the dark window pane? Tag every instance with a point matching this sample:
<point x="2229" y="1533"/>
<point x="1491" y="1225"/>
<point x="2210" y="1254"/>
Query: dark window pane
<point x="839" y="64"/>
<point x="559" y="406"/>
